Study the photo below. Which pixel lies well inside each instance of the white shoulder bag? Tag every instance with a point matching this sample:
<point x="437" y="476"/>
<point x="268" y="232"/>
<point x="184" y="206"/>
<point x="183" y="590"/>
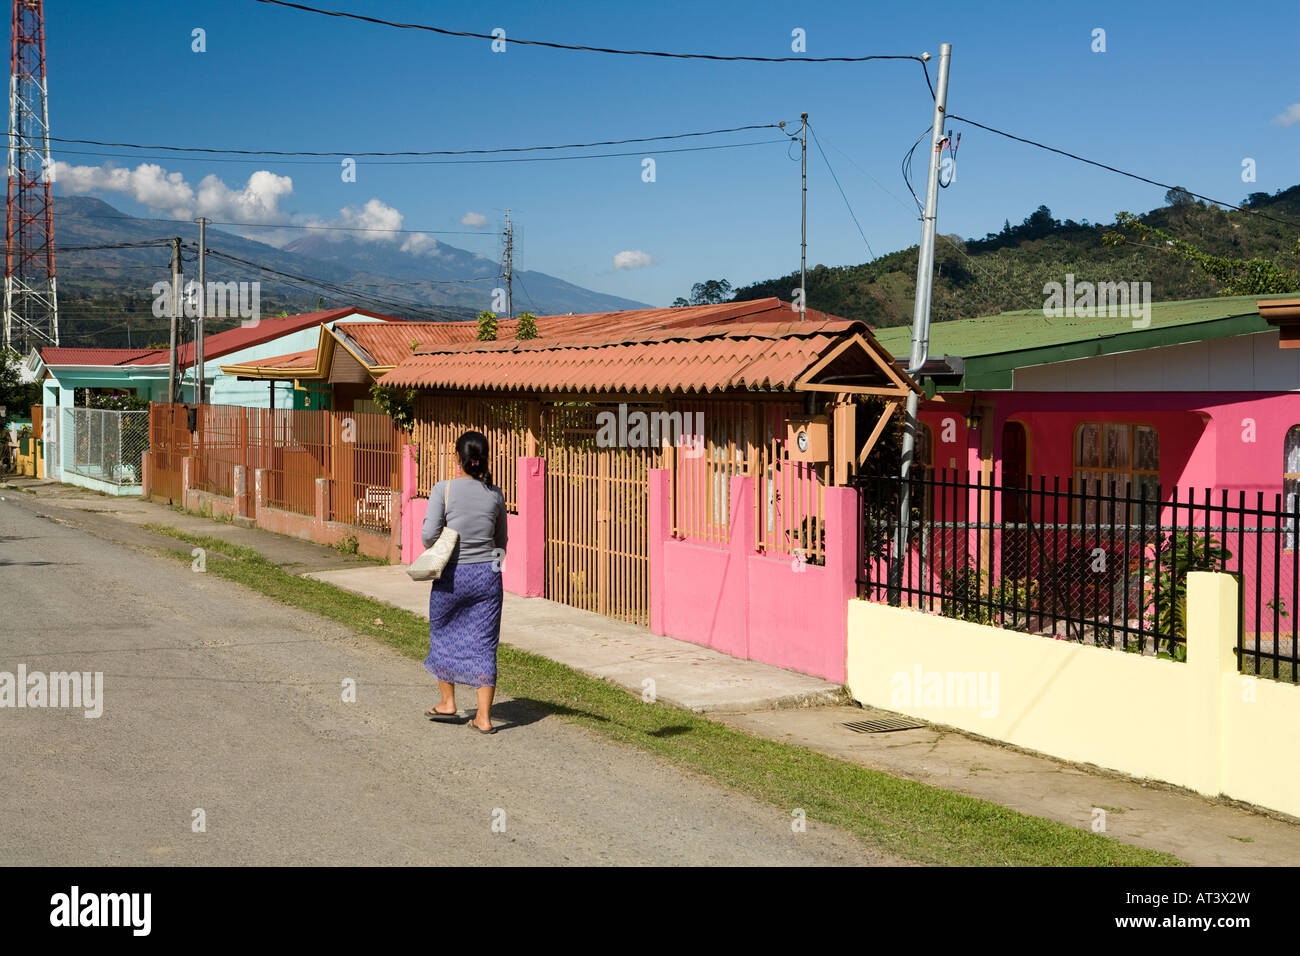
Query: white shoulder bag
<point x="429" y="566"/>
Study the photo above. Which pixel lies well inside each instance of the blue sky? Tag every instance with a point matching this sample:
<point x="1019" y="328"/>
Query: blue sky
<point x="1183" y="93"/>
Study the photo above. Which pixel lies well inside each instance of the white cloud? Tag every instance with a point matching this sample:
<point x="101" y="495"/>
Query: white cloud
<point x="474" y="219"/>
<point x="632" y="259"/>
<point x="256" y="201"/>
<point x="147" y="184"/>
<point x="1289" y="116"/>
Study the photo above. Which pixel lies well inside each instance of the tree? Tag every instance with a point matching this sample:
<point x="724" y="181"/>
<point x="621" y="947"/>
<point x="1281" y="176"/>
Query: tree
<point x="487" y="326"/>
<point x="398" y="403"/>
<point x="1238" y="276"/>
<point x="1039" y="223"/>
<point x="1178" y="196"/>
<point x="710" y="292"/>
<point x="526" y="327"/>
<point x="16" y="396"/>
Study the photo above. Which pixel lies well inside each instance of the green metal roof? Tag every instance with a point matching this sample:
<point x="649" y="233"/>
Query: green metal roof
<point x="993" y="346"/>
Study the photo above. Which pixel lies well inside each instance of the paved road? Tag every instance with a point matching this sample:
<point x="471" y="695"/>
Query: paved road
<point x="218" y="699"/>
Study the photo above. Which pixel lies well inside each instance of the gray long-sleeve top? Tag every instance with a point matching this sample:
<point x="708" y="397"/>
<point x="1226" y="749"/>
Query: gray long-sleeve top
<point x="475" y="510"/>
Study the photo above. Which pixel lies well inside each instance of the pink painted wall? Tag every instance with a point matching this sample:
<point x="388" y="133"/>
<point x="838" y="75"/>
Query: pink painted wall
<point x="1207" y="440"/>
<point x="735" y="600"/>
<point x="1218" y="440"/>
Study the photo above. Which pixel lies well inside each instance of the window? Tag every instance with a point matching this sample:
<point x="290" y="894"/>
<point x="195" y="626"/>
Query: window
<point x="923" y="452"/>
<point x="1119" y="459"/>
<point x="1291" y="481"/>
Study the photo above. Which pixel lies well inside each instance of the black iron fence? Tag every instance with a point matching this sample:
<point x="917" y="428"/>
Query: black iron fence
<point x="1103" y="566"/>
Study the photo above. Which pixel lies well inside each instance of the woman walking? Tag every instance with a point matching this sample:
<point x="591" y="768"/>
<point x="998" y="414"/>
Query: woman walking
<point x="465" y="603"/>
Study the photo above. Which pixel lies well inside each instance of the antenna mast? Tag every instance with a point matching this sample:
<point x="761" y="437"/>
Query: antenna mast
<point x="31" y="311"/>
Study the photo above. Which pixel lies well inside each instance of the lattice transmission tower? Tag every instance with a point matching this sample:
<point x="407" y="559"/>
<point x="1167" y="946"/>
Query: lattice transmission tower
<point x="31" y="309"/>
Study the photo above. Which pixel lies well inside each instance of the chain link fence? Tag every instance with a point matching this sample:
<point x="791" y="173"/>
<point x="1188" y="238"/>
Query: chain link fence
<point x="106" y="445"/>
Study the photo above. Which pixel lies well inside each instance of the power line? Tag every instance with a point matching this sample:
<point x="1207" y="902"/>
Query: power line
<point x="589" y="49"/>
<point x="907" y="170"/>
<point x="286" y="225"/>
<point x="423" y="152"/>
<point x="142" y="244"/>
<point x="331" y="287"/>
<point x="1122" y="172"/>
<point x="435" y="162"/>
<point x="847" y="204"/>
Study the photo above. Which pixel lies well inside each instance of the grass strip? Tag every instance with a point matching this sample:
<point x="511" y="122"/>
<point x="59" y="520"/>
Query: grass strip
<point x="899" y="817"/>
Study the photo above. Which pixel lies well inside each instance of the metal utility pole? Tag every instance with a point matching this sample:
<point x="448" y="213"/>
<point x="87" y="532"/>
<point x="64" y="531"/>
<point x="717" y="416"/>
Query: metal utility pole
<point x="507" y="265"/>
<point x="203" y="295"/>
<point x="31" y="304"/>
<point x="920" y="317"/>
<point x="803" y="241"/>
<point x="177" y="292"/>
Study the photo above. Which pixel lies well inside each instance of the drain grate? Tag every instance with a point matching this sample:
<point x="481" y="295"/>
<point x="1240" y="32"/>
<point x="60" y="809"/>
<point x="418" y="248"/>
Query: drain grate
<point x="881" y="725"/>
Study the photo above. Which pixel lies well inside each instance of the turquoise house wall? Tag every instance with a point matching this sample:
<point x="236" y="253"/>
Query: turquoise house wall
<point x="59" y="389"/>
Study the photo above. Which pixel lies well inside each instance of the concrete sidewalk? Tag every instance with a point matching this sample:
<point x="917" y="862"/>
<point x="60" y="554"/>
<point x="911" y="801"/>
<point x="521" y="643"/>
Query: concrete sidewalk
<point x="684" y="675"/>
<point x="764" y="700"/>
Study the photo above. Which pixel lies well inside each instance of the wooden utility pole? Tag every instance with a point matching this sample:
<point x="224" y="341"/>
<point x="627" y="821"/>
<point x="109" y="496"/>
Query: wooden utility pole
<point x="177" y="293"/>
<point x="507" y="265"/>
<point x="803" y="242"/>
<point x="203" y="297"/>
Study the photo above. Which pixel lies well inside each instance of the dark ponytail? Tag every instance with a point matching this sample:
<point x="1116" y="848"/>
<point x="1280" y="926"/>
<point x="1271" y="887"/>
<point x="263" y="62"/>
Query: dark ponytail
<point x="472" y="447"/>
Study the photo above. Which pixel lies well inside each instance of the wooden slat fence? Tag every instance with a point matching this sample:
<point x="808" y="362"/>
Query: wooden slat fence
<point x="441" y="419"/>
<point x="790" y="495"/>
<point x="597" y="517"/>
<point x="359" y="452"/>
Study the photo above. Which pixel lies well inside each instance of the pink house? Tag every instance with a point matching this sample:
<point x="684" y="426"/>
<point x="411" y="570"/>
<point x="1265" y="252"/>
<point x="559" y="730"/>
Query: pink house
<point x="1204" y="394"/>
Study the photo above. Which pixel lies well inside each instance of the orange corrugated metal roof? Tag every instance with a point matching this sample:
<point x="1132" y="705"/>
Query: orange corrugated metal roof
<point x="386" y="346"/>
<point x="383" y="344"/>
<point x="742" y="355"/>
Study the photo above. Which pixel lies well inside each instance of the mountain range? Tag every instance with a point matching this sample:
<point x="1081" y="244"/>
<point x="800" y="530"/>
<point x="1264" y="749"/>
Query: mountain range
<point x="106" y="297"/>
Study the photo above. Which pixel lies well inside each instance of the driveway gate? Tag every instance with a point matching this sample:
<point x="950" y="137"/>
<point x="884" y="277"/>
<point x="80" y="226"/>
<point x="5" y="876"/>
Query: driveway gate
<point x="597" y="517"/>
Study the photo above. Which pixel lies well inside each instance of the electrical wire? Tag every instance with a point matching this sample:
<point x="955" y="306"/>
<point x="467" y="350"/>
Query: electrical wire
<point x="334" y="288"/>
<point x="412" y="152"/>
<point x="1123" y="172"/>
<point x="587" y="49"/>
<point x="432" y="162"/>
<point x="142" y="244"/>
<point x="531" y="301"/>
<point x="843" y="196"/>
<point x="286" y="225"/>
<point x="907" y="169"/>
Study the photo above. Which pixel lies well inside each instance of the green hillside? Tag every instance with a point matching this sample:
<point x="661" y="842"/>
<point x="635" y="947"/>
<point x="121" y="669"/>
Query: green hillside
<point x="1007" y="270"/>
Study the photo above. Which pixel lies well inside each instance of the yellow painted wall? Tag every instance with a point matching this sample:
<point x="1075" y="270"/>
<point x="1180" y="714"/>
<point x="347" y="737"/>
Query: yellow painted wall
<point x="1261" y="742"/>
<point x="1183" y="723"/>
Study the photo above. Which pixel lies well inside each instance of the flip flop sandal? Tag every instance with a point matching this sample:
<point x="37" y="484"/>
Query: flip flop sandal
<point x="440" y="717"/>
<point x="471" y="723"/>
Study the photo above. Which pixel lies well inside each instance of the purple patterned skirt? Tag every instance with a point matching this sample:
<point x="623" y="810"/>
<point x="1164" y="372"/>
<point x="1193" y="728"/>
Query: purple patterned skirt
<point x="465" y="624"/>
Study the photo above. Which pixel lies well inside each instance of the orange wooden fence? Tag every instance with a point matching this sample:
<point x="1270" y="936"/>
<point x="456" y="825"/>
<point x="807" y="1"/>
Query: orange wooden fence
<point x="358" y="452"/>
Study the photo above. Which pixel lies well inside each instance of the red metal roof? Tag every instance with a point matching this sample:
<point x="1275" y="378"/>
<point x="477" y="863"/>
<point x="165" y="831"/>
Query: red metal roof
<point x="59" y="356"/>
<point x="241" y="337"/>
<point x="741" y="355"/>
